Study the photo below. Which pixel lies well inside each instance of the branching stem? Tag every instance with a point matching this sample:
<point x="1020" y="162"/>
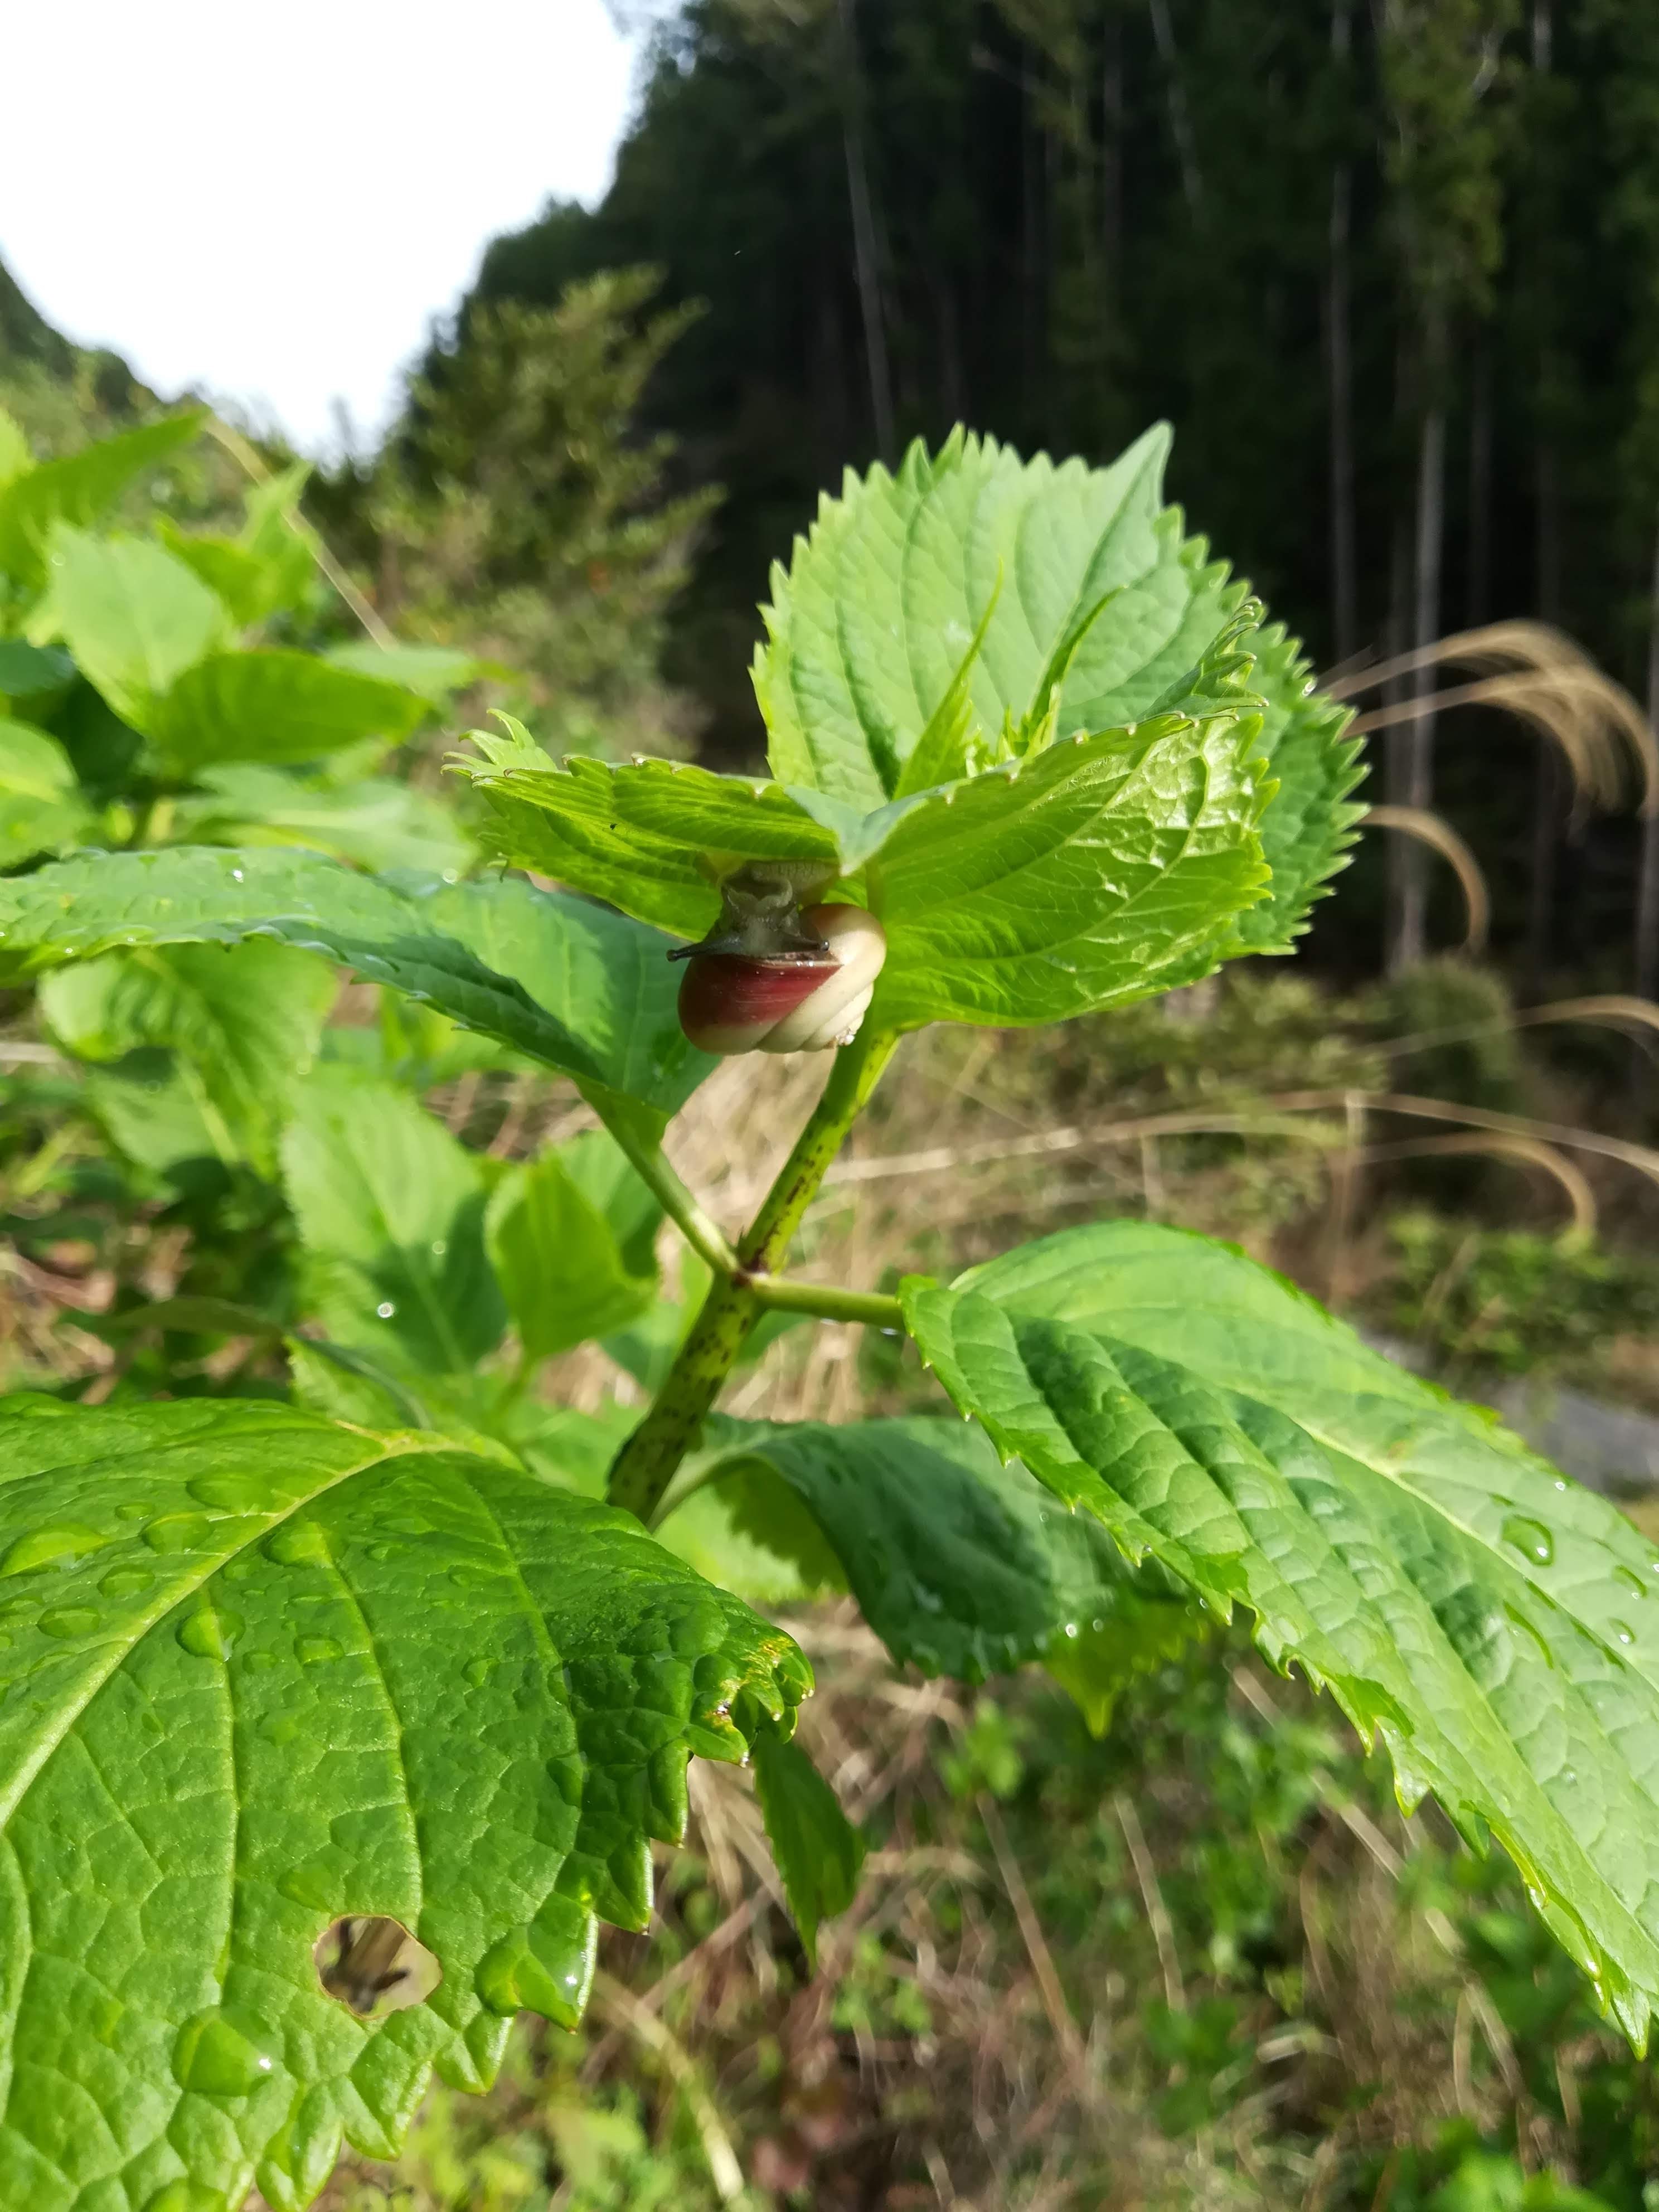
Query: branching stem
<point x="736" y="1299"/>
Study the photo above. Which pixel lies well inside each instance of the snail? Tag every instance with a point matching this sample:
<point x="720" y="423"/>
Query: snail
<point x="774" y="976"/>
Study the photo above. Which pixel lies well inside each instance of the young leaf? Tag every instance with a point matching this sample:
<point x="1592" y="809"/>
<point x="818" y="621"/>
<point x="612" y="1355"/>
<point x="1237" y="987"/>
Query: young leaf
<point x="1309" y="821"/>
<point x="1105" y="868"/>
<point x="134" y="617"/>
<point x="1496" y="1625"/>
<point x="867" y="630"/>
<point x="243" y="1021"/>
<point x="817" y="1850"/>
<point x="390" y="1214"/>
<point x="567" y="1271"/>
<point x="263" y="1672"/>
<point x="42" y="809"/>
<point x="962" y="1565"/>
<point x="80" y="489"/>
<point x="275" y="706"/>
<point x="378" y="823"/>
<point x="603" y="1005"/>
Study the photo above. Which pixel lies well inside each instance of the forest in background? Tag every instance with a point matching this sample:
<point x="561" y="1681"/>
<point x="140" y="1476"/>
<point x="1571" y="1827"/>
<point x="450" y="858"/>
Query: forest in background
<point x="1391" y="270"/>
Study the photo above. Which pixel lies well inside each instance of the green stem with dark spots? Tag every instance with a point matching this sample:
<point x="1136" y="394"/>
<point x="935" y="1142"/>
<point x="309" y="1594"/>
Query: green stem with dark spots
<point x="645" y="1465"/>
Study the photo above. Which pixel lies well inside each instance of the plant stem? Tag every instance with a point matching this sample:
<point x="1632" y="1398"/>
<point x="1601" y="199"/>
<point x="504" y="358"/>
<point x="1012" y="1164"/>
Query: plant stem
<point x="827" y="1300"/>
<point x="704" y="1236"/>
<point x="645" y="1462"/>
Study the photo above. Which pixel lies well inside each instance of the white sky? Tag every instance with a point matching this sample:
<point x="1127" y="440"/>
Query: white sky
<point x="271" y="203"/>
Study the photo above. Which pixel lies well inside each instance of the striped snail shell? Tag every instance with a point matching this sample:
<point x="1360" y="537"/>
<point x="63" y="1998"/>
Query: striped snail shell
<point x="804" y="996"/>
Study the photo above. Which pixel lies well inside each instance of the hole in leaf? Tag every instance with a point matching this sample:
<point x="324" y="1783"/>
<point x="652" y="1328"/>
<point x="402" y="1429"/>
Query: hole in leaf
<point x="372" y="1964"/>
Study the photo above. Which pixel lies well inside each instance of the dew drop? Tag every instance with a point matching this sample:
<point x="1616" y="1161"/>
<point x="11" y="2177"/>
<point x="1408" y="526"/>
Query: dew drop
<point x="382" y="1552"/>
<point x="385" y="1309"/>
<point x="236" y="876"/>
<point x="209" y="1631"/>
<point x="478" y="1672"/>
<point x="313" y="1650"/>
<point x="1622" y="1634"/>
<point x="230" y="1493"/>
<point x="131" y="1510"/>
<point x="296" y="1544"/>
<point x="60" y="1544"/>
<point x="177" y="1531"/>
<point x="258" y="1663"/>
<point x="126" y="1582"/>
<point x="439" y="1246"/>
<point x="220" y="2057"/>
<point x="68" y="1620"/>
<point x="1530" y="1538"/>
<point x="1071" y="1628"/>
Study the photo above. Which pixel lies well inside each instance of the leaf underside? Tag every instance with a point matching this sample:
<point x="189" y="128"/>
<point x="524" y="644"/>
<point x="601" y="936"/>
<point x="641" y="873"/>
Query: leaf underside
<point x="1497" y="1626"/>
<point x="585" y="993"/>
<point x="264" y="1672"/>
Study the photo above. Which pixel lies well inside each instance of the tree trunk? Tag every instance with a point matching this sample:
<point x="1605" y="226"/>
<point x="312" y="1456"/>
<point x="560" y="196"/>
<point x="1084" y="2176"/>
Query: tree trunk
<point x="1647" y="889"/>
<point x="1339" y="358"/>
<point x="864" y="238"/>
<point x="1181" y="121"/>
<point x="1411" y="747"/>
<point x="1478" y="601"/>
<point x="1550" y="796"/>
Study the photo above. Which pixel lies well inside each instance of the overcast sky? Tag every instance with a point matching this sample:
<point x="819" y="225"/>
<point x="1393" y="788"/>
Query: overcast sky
<point x="272" y="203"/>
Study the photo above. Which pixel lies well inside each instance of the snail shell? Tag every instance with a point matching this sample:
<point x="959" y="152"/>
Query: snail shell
<point x="733" y="1002"/>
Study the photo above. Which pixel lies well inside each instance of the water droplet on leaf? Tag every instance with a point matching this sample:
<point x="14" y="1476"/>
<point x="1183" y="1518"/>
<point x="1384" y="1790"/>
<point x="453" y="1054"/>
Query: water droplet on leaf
<point x="126" y="1582"/>
<point x="385" y="1309"/>
<point x="68" y="1620"/>
<point x="209" y="1631"/>
<point x="178" y="1532"/>
<point x="313" y="1650"/>
<point x="1530" y="1538"/>
<point x="230" y="1493"/>
<point x="219" y="2055"/>
<point x="60" y="1544"/>
<point x="1622" y="1634"/>
<point x="478" y="1672"/>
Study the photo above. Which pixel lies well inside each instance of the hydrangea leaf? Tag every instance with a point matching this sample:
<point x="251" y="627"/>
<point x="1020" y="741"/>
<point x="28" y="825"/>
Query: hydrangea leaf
<point x="962" y="1565"/>
<point x="1098" y="871"/>
<point x="374" y="822"/>
<point x="1496" y="1625"/>
<point x="41" y="806"/>
<point x="266" y="1671"/>
<point x="390" y="1209"/>
<point x="817" y="1850"/>
<point x="242" y="1021"/>
<point x="870" y="625"/>
<point x="274" y="705"/>
<point x="79" y="488"/>
<point x="571" y="1237"/>
<point x="596" y="1000"/>
<point x="1308" y="825"/>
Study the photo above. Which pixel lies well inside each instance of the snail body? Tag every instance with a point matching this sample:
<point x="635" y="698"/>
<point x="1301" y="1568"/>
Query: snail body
<point x="807" y="988"/>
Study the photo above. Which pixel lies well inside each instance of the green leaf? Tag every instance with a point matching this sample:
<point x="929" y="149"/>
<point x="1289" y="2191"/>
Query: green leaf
<point x="134" y="617"/>
<point x="867" y="630"/>
<point x="1497" y="1626"/>
<point x="1101" y="870"/>
<point x="378" y="823"/>
<point x="608" y="978"/>
<point x="243" y="1021"/>
<point x="435" y="672"/>
<point x="263" y="1672"/>
<point x="41" y="808"/>
<point x="252" y="588"/>
<point x="390" y="1214"/>
<point x="1308" y="825"/>
<point x="569" y="1268"/>
<point x="962" y="1566"/>
<point x="602" y="1005"/>
<point x="276" y="706"/>
<point x="33" y="671"/>
<point x="817" y="1850"/>
<point x="79" y="490"/>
